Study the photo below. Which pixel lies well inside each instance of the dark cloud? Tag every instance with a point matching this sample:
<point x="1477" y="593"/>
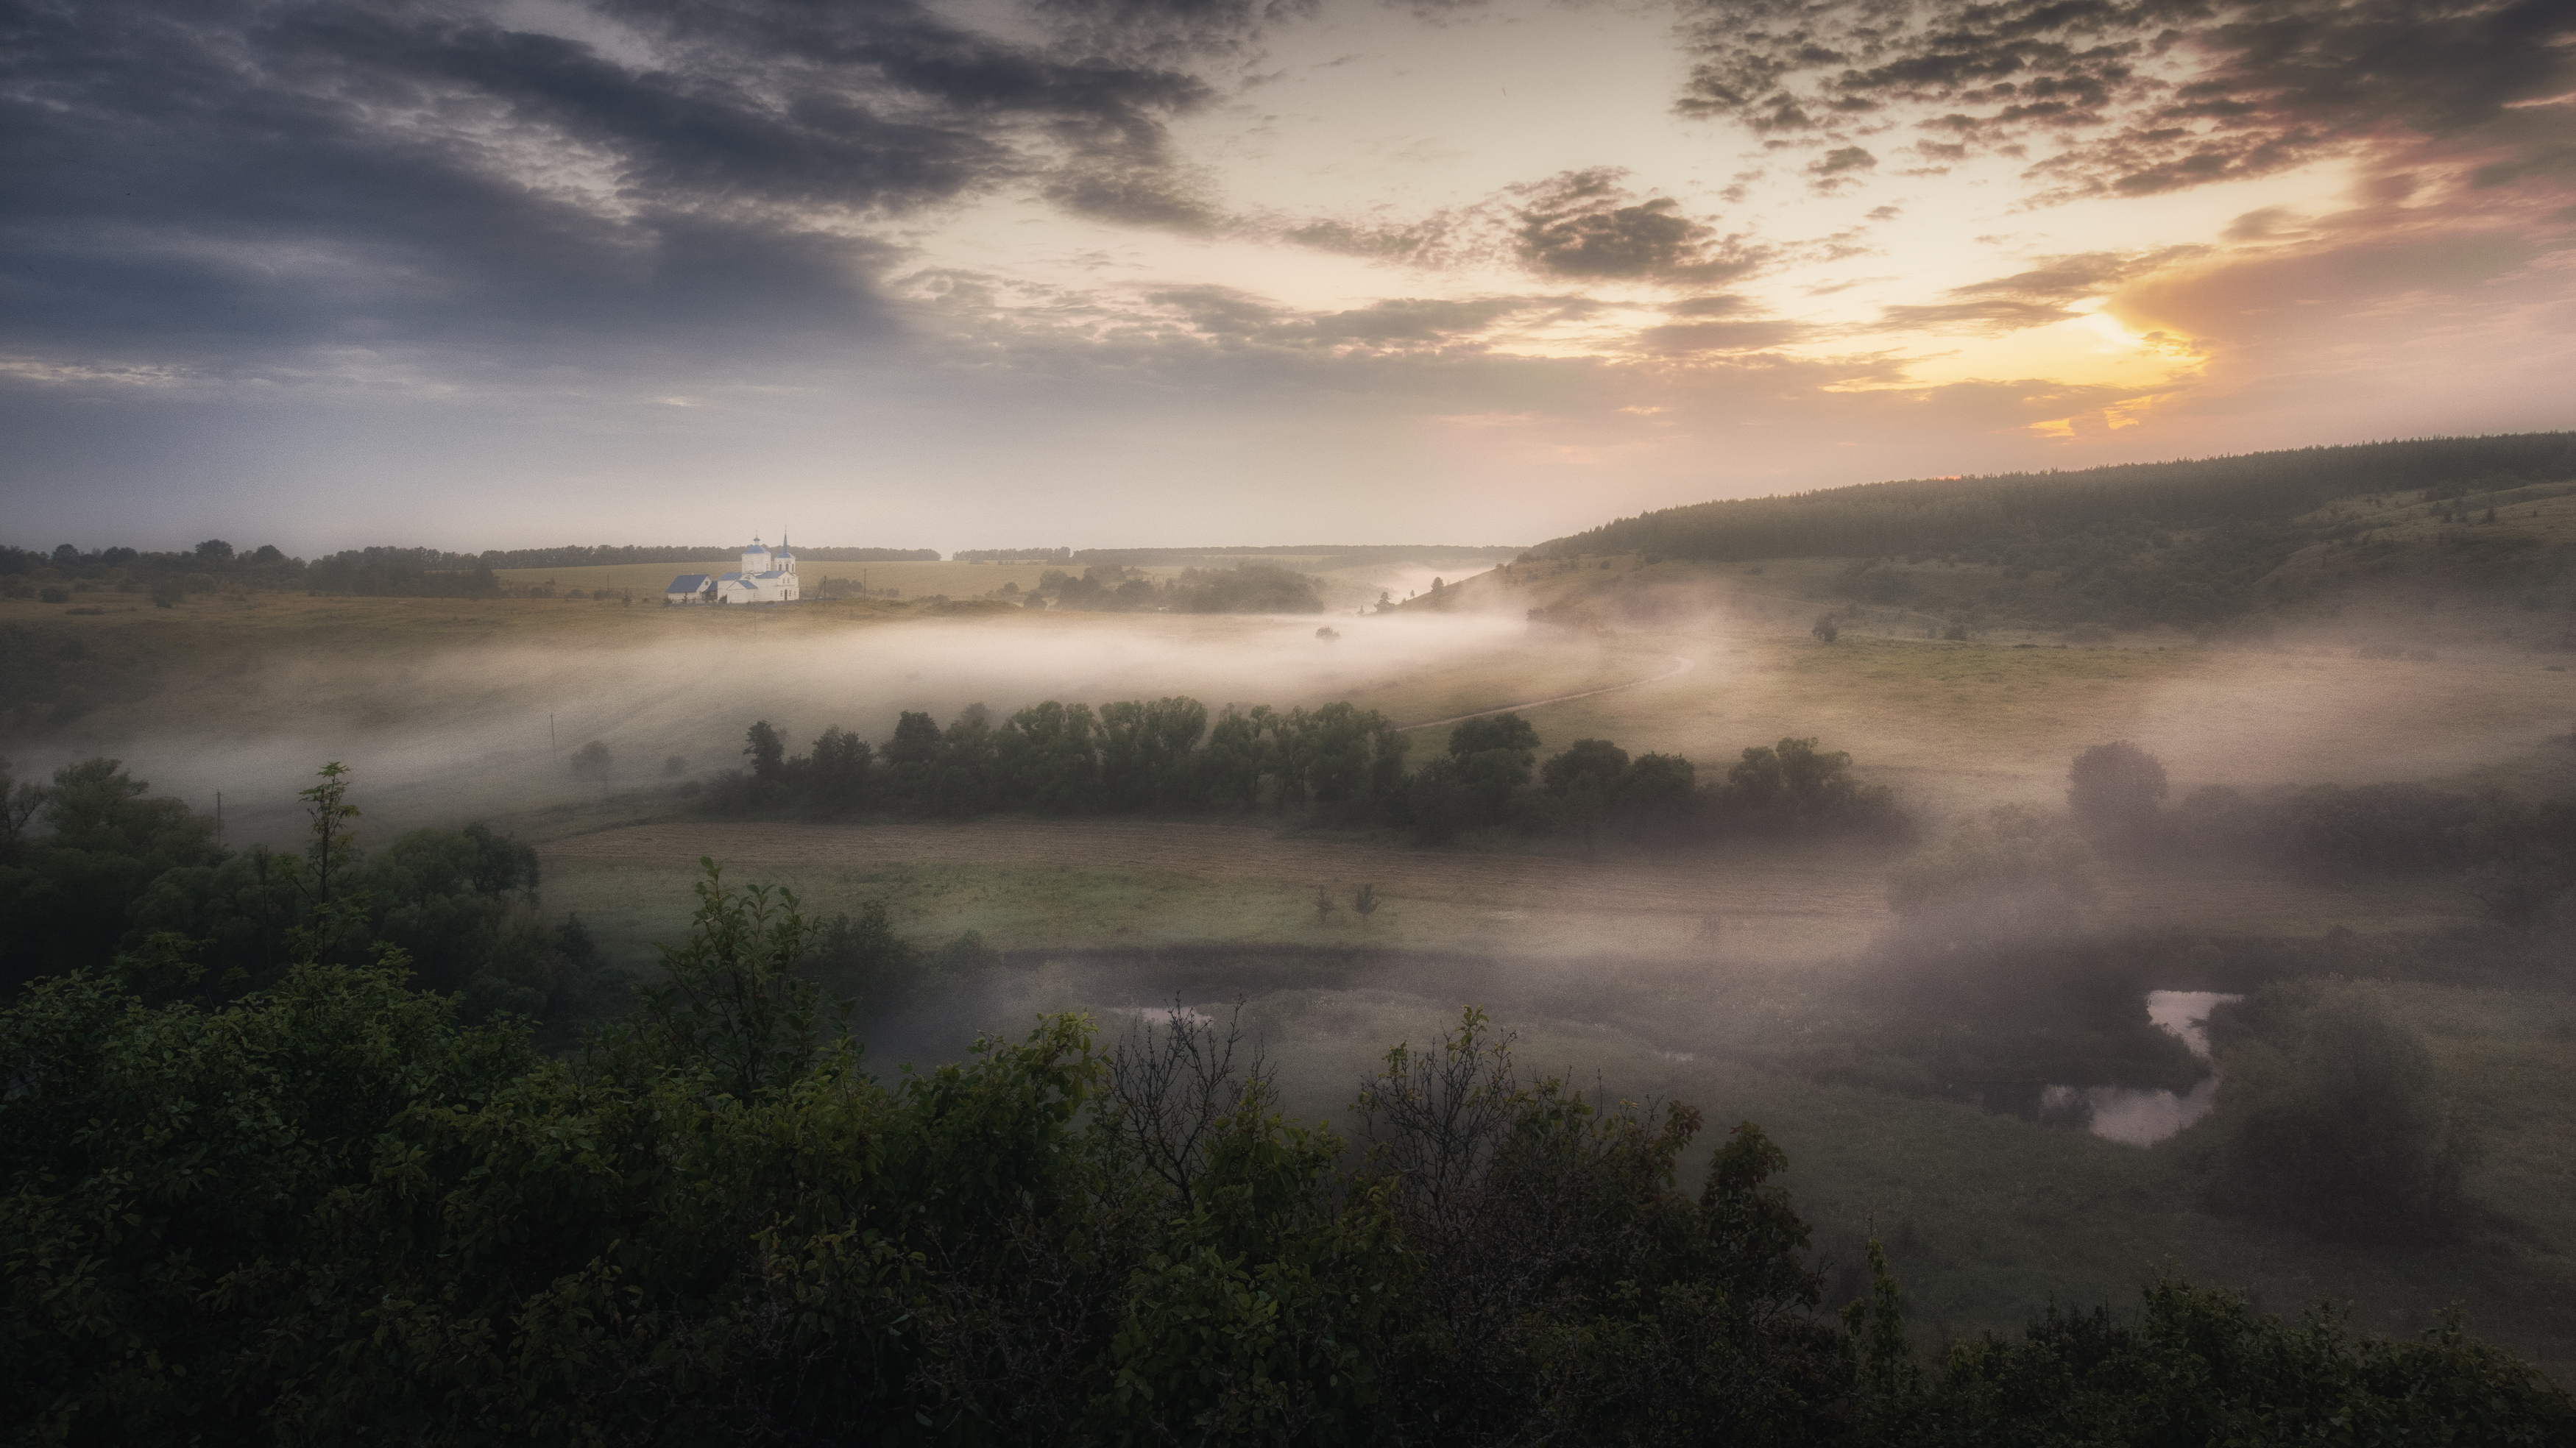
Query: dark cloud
<point x="1720" y="336"/>
<point x="2263" y="224"/>
<point x="1426" y="242"/>
<point x="1146" y="195"/>
<point x="1407" y="319"/>
<point x="1988" y="315"/>
<point x="1167" y="31"/>
<point x="1839" y="169"/>
<point x="1586" y="224"/>
<point x="2036" y="297"/>
<point x="222" y="174"/>
<point x="1396" y="324"/>
<point x="2136" y="97"/>
<point x="1721" y="305"/>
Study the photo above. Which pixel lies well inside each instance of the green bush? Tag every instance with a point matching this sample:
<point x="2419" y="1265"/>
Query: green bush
<point x="2331" y="1117"/>
<point x="329" y="1211"/>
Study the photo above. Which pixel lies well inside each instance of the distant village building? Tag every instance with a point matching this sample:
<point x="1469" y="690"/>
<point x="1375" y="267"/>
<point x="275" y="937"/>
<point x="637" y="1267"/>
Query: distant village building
<point x="766" y="577"/>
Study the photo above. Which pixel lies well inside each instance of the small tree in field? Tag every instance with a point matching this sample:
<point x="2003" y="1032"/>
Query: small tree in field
<point x="1324" y="906"/>
<point x="1826" y="630"/>
<point x="590" y="761"/>
<point x="1364" y="902"/>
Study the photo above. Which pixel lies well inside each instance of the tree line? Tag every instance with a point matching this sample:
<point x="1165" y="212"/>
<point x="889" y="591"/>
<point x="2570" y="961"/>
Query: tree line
<point x="1331" y="555"/>
<point x="594" y="555"/>
<point x="94" y="868"/>
<point x="1337" y="763"/>
<point x="333" y="1210"/>
<point x="1248" y="587"/>
<point x="2516" y="855"/>
<point x="375" y="572"/>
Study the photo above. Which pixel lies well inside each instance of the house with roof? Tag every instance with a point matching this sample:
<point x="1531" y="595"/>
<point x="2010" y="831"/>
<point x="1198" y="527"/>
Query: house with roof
<point x="766" y="576"/>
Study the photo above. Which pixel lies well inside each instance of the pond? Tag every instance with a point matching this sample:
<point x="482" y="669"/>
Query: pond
<point x="2142" y="1117"/>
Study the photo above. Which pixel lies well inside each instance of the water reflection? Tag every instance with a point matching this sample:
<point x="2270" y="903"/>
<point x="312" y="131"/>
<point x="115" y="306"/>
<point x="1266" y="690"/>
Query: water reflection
<point x="2144" y="1117"/>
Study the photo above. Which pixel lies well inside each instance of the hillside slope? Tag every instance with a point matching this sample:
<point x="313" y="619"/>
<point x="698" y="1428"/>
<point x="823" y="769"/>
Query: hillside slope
<point x="2417" y="532"/>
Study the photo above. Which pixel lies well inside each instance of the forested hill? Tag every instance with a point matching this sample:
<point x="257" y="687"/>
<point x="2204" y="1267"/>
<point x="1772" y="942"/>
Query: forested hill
<point x="1940" y="515"/>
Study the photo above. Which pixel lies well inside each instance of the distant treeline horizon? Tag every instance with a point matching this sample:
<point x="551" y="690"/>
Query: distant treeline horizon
<point x="1328" y="555"/>
<point x="380" y="571"/>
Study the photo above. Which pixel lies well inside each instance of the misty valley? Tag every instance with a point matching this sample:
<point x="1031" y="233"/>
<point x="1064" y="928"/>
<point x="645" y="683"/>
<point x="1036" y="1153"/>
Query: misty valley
<point x="2066" y="958"/>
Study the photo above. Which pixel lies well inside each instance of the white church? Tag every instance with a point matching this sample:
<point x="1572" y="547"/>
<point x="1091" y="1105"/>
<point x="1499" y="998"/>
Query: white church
<point x="766" y="577"/>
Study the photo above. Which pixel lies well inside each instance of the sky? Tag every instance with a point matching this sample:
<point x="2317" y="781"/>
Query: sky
<point x="1002" y="273"/>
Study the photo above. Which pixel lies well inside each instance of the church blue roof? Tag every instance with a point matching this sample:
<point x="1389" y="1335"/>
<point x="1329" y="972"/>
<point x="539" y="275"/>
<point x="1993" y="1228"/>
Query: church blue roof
<point x="688" y="583"/>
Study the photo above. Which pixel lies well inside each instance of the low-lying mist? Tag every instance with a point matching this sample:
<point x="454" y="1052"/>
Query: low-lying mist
<point x="451" y="732"/>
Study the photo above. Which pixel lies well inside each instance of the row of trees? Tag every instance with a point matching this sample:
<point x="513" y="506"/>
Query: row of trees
<point x="1249" y="587"/>
<point x="1324" y="557"/>
<point x="333" y="1211"/>
<point x="379" y="572"/>
<point x="1337" y="761"/>
<point x="600" y="554"/>
<point x="2518" y="855"/>
<point x="95" y="867"/>
<point x="1161" y="755"/>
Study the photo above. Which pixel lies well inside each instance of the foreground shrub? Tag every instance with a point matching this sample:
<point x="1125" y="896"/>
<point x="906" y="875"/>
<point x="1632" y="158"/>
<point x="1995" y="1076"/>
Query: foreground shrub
<point x="2332" y="1119"/>
<point x="327" y="1211"/>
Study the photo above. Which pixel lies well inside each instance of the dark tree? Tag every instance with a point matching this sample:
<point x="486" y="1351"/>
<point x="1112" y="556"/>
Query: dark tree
<point x="1050" y="758"/>
<point x="1587" y="764"/>
<point x="968" y="777"/>
<point x="2113" y="790"/>
<point x="1230" y="767"/>
<point x="768" y="754"/>
<point x="1492" y="758"/>
<point x="837" y="774"/>
<point x="1656" y="791"/>
<point x="1492" y="731"/>
<point x="1145" y="751"/>
<point x="1826" y="630"/>
<point x="2333" y="1119"/>
<point x="909" y="759"/>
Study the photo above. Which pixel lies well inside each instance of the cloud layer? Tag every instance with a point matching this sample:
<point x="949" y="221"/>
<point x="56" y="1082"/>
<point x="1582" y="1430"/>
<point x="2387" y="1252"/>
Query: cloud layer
<point x="1564" y="258"/>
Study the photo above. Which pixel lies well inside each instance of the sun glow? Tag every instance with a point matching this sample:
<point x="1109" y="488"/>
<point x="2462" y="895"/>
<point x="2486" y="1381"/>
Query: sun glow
<point x="2092" y="349"/>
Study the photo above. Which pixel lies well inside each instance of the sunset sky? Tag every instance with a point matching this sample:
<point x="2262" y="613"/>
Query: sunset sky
<point x="1097" y="272"/>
